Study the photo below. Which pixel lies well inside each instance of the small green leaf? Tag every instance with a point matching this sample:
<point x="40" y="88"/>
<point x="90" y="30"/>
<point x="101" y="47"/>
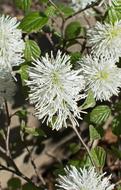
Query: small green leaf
<point x="22" y="114"/>
<point x="100" y="114"/>
<point x="94" y="134"/>
<point x="32" y="50"/>
<point x="23" y="71"/>
<point x="75" y="56"/>
<point x="34" y="131"/>
<point x="72" y="30"/>
<point x="67" y="11"/>
<point x="14" y="183"/>
<point x="89" y="102"/>
<point x="33" y="22"/>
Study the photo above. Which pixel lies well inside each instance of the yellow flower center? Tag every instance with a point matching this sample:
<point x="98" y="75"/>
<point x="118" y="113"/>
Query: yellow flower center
<point x="55" y="78"/>
<point x="115" y="32"/>
<point x="102" y="75"/>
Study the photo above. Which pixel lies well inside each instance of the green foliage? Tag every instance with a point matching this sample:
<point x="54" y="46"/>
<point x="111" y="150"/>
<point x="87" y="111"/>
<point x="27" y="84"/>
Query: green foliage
<point x="94" y="133"/>
<point x="66" y="10"/>
<point x="76" y="56"/>
<point x="100" y="114"/>
<point x="76" y="163"/>
<point x="89" y="102"/>
<point x="32" y="50"/>
<point x="33" y="22"/>
<point x="23" y="4"/>
<point x="23" y="71"/>
<point x="22" y="114"/>
<point x="72" y="30"/>
<point x="114" y="12"/>
<point x="14" y="183"/>
<point x="99" y="156"/>
<point x="33" y="131"/>
<point x="50" y="11"/>
<point x="29" y="187"/>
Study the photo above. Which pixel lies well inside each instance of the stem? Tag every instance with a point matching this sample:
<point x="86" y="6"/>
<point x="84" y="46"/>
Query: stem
<point x="8" y="129"/>
<point x="18" y="173"/>
<point x="32" y="160"/>
<point x="54" y="5"/>
<point x="35" y="168"/>
<point x="7" y="152"/>
<point x="85" y="146"/>
<point x="82" y="10"/>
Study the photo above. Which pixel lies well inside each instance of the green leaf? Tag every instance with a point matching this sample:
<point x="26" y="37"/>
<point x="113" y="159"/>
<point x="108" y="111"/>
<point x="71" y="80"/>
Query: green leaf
<point x="89" y="102"/>
<point x="76" y="163"/>
<point x="72" y="30"/>
<point x="23" y="71"/>
<point x="94" y="134"/>
<point x="23" y="4"/>
<point x="75" y="56"/>
<point x="34" y="131"/>
<point x="29" y="187"/>
<point x="67" y="11"/>
<point x="14" y="183"/>
<point x="33" y="22"/>
<point x="100" y="114"/>
<point x="99" y="156"/>
<point x="22" y="114"/>
<point x="114" y="12"/>
<point x="50" y="11"/>
<point x="32" y="50"/>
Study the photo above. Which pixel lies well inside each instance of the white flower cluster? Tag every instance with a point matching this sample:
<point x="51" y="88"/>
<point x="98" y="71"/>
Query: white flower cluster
<point x="11" y="43"/>
<point x="83" y="179"/>
<point x="101" y="73"/>
<point x="54" y="89"/>
<point x="106" y="39"/>
<point x="102" y="76"/>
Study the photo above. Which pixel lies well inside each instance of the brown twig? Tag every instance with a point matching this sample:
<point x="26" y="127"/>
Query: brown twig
<point x="18" y="173"/>
<point x="35" y="167"/>
<point x="32" y="160"/>
<point x="82" y="10"/>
